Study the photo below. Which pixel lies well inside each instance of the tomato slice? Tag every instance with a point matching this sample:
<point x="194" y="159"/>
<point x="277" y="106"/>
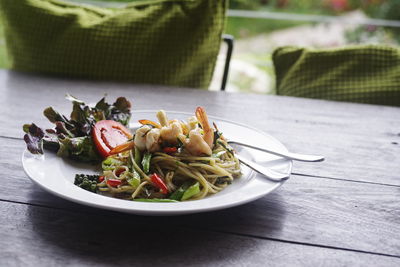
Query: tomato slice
<point x="107" y="134"/>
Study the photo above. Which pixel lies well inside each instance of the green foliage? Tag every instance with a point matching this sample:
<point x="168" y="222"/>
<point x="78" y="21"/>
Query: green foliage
<point x="242" y="27"/>
<point x="3" y="54"/>
<point x="245" y="4"/>
<point x="246" y="27"/>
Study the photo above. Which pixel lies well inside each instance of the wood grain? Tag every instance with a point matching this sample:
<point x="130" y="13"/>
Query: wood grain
<point x="309" y="210"/>
<point x="35" y="236"/>
<point x="347" y="215"/>
<point x="360" y="142"/>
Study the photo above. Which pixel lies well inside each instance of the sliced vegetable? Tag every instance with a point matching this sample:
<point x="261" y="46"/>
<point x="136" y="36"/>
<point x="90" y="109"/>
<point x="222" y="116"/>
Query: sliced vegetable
<point x="217" y="134"/>
<point x="114" y="182"/>
<point x="122" y="147"/>
<point x="101" y="179"/>
<point x="230" y="151"/>
<point x="170" y="150"/>
<point x="110" y="164"/>
<point x="134" y="180"/>
<point x="154" y="200"/>
<point x="158" y="182"/>
<point x="108" y="134"/>
<point x="191" y="191"/>
<point x="178" y="194"/>
<point x="120" y="170"/>
<point x="138" y="157"/>
<point x="146" y="162"/>
<point x="151" y="123"/>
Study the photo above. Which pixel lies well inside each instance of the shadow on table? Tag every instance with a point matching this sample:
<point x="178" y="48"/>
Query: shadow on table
<point x="78" y="234"/>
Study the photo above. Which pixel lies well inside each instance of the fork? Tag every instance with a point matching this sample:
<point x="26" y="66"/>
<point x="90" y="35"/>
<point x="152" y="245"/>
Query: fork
<point x="287" y="155"/>
<point x="271" y="174"/>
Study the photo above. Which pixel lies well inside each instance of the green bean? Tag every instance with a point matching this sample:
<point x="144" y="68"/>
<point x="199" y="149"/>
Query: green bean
<point x="154" y="200"/>
<point x="146" y="162"/>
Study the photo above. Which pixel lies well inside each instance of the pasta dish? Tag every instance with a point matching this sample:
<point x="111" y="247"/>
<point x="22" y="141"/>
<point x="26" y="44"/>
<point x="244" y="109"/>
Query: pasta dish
<point x="172" y="160"/>
<point x="165" y="161"/>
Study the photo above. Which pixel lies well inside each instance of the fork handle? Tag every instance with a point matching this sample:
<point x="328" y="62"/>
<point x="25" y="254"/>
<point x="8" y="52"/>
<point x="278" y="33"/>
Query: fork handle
<point x="287" y="155"/>
<point x="270" y="174"/>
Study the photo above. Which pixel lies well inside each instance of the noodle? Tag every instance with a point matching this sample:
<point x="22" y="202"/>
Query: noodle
<point x="212" y="173"/>
<point x="174" y="167"/>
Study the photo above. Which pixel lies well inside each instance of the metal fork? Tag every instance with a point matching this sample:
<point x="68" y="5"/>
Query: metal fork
<point x="287" y="155"/>
<point x="270" y="174"/>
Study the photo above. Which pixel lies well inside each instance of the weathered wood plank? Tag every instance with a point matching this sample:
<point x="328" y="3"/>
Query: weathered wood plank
<point x="319" y="211"/>
<point x="359" y="141"/>
<point x="35" y="236"/>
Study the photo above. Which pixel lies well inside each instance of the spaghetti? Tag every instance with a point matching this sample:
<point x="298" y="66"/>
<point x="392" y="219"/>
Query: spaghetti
<point x="195" y="162"/>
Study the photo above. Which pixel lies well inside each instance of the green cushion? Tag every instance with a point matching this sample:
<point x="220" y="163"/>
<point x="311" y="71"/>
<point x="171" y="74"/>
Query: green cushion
<point x="364" y="74"/>
<point x="169" y="42"/>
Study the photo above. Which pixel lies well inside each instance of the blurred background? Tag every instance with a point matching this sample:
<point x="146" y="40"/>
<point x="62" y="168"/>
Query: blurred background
<point x="259" y="26"/>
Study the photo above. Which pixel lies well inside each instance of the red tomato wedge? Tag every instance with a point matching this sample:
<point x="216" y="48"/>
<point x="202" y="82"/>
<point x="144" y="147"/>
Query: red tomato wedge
<point x="107" y="134"/>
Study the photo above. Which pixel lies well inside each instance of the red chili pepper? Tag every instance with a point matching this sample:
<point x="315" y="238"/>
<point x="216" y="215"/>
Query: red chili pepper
<point x="113" y="182"/>
<point x="119" y="171"/>
<point x="101" y="179"/>
<point x="159" y="183"/>
<point x="170" y="149"/>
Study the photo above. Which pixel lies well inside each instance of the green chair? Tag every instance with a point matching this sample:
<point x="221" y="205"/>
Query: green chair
<point x="168" y="42"/>
<point x="364" y="74"/>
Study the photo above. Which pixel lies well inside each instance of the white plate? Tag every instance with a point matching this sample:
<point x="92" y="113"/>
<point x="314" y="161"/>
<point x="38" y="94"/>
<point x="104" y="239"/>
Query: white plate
<point x="56" y="175"/>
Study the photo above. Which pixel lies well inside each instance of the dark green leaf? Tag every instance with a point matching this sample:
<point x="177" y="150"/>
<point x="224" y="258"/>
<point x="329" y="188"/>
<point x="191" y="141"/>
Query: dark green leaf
<point x="122" y="104"/>
<point x="53" y="115"/>
<point x="78" y="148"/>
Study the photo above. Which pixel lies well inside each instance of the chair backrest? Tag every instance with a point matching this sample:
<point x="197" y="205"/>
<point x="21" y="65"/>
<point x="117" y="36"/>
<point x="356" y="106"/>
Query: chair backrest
<point x="169" y="42"/>
<point x="364" y="74"/>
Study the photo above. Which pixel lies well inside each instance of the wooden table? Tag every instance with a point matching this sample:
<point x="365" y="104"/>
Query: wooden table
<point x="341" y="212"/>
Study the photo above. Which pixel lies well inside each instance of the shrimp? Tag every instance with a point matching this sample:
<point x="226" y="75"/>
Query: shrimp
<point x="195" y="144"/>
<point x="152" y="140"/>
<point x="145" y="139"/>
<point x="200" y="143"/>
<point x="162" y="118"/>
<point x="170" y="133"/>
<point x="208" y="132"/>
<point x="140" y="137"/>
